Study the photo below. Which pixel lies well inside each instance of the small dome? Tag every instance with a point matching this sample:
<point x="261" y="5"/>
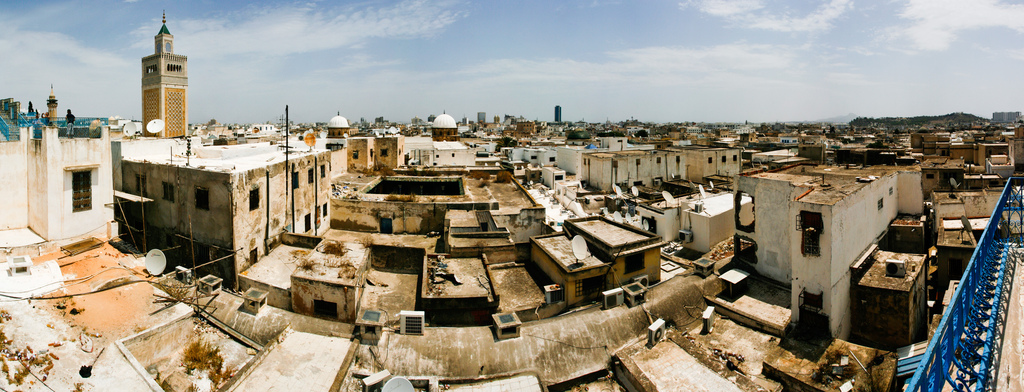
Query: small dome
<point x="444" y="121"/>
<point x="338" y="122"/>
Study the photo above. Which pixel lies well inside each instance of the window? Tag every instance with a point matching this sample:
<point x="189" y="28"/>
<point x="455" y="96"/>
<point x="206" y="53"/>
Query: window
<point x="634" y="262"/>
<point x="615" y="164"/>
<point x="81" y="191"/>
<point x="677" y="159"/>
<point x="140" y="184"/>
<point x="383" y="152"/>
<point x="453" y="155"/>
<point x="734" y="157"/>
<point x="930" y="176"/>
<point x="295" y="180"/>
<point x="323" y="171"/>
<point x="638" y="162"/>
<point x="551" y="159"/>
<point x="723" y="158"/>
<point x="325" y="209"/>
<point x="323" y="308"/>
<point x="890" y="191"/>
<point x="306" y="222"/>
<point x="355" y="154"/>
<point x="202" y="198"/>
<point x="709" y="160"/>
<point x="811" y="225"/>
<point x="880" y="203"/>
<point x="659" y="160"/>
<point x="589" y="286"/>
<point x="309" y="175"/>
<point x="168" y="191"/>
<point x="254" y="199"/>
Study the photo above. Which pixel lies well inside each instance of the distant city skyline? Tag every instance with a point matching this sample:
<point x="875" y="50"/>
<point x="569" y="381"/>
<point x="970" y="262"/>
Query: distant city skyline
<point x="662" y="61"/>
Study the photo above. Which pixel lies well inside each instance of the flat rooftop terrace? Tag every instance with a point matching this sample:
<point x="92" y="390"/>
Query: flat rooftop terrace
<point x="609" y="233"/>
<point x="830" y="184"/>
<point x="560" y="249"/>
<point x="456" y="277"/>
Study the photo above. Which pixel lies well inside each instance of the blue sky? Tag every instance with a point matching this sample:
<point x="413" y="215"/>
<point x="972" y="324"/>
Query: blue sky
<point x="690" y="60"/>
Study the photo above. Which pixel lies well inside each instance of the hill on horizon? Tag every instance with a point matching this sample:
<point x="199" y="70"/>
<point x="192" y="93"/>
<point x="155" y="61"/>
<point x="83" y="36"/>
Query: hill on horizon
<point x="955" y="118"/>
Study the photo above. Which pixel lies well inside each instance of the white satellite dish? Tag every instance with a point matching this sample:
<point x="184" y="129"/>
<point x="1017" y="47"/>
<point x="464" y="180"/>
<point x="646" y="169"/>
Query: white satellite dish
<point x="634" y="191"/>
<point x="636" y="224"/>
<point x="952" y="182"/>
<point x="155" y="126"/>
<point x="156" y="262"/>
<point x="579" y="248"/>
<point x="398" y="384"/>
<point x="323" y="135"/>
<point x="617" y="217"/>
<point x="669" y="200"/>
<point x="130" y="129"/>
<point x="647" y="227"/>
<point x="703" y="194"/>
<point x="966" y="223"/>
<point x="577" y="209"/>
<point x="618" y="191"/>
<point x="711" y="185"/>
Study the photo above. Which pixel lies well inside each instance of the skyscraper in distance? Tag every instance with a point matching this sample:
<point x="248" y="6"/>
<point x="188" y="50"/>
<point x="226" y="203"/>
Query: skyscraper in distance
<point x="165" y="85"/>
<point x="481" y="117"/>
<point x="558" y="113"/>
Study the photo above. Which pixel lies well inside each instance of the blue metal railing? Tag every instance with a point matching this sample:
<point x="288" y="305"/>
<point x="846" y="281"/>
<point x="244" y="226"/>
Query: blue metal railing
<point x="5" y="129"/>
<point x="962" y="351"/>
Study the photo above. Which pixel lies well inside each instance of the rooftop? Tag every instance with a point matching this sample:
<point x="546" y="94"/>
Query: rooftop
<point x="559" y="247"/>
<point x="829" y="184"/>
<point x="876" y="277"/>
<point x="226" y="158"/>
<point x="305" y="359"/>
<point x="609" y="233"/>
<point x="455" y="277"/>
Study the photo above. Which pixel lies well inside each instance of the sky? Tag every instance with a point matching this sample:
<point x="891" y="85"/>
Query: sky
<point x="660" y="61"/>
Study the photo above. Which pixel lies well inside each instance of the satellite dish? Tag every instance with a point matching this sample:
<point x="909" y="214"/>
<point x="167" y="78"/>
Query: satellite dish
<point x="711" y="185"/>
<point x="398" y="384"/>
<point x="669" y="200"/>
<point x="156" y="262"/>
<point x="130" y="129"/>
<point x="952" y="181"/>
<point x="647" y="226"/>
<point x="617" y="217"/>
<point x="634" y="191"/>
<point x="636" y="224"/>
<point x="966" y="222"/>
<point x="618" y="191"/>
<point x="155" y="126"/>
<point x="309" y="139"/>
<point x="323" y="135"/>
<point x="703" y="194"/>
<point x="579" y="248"/>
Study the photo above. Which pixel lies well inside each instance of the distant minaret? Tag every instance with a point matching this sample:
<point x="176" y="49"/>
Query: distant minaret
<point x="165" y="85"/>
<point x="51" y="104"/>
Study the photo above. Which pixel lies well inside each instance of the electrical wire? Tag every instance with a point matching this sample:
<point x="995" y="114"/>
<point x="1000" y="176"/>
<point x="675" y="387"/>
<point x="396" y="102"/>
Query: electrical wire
<point x="566" y="344"/>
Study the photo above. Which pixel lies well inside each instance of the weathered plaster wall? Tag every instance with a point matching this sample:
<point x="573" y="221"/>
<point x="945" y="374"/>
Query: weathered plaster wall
<point x="911" y="196"/>
<point x="774" y="233"/>
<point x="305" y="291"/>
<point x="15" y="177"/>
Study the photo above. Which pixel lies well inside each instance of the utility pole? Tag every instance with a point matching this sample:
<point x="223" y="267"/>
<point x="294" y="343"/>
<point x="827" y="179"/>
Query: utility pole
<point x="287" y="166"/>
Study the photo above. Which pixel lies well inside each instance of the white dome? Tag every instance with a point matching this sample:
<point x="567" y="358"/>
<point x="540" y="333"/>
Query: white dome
<point x="338" y="122"/>
<point x="444" y="121"/>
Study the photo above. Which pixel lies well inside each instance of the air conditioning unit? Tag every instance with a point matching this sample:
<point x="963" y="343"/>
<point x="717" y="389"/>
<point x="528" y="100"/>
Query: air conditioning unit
<point x="411" y="322"/>
<point x="635" y="294"/>
<point x="709" y="319"/>
<point x="553" y="294"/>
<point x="375" y="382"/>
<point x="612" y="298"/>
<point x="895" y="268"/>
<point x="655" y="332"/>
<point x="685" y="236"/>
<point x="642" y="279"/>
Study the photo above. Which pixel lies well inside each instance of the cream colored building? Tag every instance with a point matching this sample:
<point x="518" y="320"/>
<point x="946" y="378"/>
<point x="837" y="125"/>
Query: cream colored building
<point x="165" y="86"/>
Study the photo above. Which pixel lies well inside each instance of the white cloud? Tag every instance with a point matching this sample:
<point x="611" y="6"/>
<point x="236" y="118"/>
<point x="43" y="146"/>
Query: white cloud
<point x="752" y="14"/>
<point x="290" y="29"/>
<point x="936" y="23"/>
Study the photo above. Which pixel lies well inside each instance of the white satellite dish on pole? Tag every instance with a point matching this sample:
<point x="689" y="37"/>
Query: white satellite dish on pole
<point x="579" y="248"/>
<point x="703" y="194"/>
<point x="617" y="217"/>
<point x="647" y="226"/>
<point x="398" y="384"/>
<point x="953" y="183"/>
<point x="130" y="129"/>
<point x="618" y="191"/>
<point x="711" y="185"/>
<point x="155" y="126"/>
<point x="155" y="262"/>
<point x="634" y="191"/>
<point x="669" y="200"/>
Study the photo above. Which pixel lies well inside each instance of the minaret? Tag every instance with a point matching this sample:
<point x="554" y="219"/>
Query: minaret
<point x="51" y="104"/>
<point x="165" y="85"/>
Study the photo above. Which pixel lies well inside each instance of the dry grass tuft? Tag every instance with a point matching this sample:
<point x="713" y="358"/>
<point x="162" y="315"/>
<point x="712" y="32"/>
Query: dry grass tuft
<point x="334" y="248"/>
<point x="504" y="177"/>
<point x="202" y="355"/>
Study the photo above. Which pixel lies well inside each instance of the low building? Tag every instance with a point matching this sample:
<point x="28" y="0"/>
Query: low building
<point x="328" y="281"/>
<point x="474" y="234"/>
<point x="697" y="222"/>
<point x="222" y="207"/>
<point x="617" y="254"/>
<point x="887" y="300"/>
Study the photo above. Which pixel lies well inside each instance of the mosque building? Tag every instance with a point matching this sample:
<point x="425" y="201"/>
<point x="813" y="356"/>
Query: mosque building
<point x="165" y="86"/>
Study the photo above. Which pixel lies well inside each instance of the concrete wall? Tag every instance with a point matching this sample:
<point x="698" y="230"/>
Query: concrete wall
<point x="773" y="230"/>
<point x="911" y="195"/>
<point x="359" y="153"/>
<point x="569" y="159"/>
<point x="889" y="318"/>
<point x="698" y="167"/>
<point x="15" y="177"/>
<point x="276" y="296"/>
<point x="600" y="172"/>
<point x="305" y="290"/>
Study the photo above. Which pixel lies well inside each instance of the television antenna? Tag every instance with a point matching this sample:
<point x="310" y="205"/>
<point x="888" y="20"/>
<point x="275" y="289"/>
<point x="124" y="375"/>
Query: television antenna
<point x="155" y="262"/>
<point x="155" y="126"/>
